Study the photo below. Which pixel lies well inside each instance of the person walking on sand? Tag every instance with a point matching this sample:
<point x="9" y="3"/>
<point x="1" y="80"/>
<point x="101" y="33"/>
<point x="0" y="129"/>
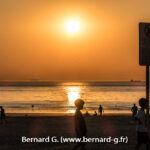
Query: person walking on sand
<point x="80" y="125"/>
<point x="134" y="110"/>
<point x="142" y="127"/>
<point x="101" y="110"/>
<point x="3" y="116"/>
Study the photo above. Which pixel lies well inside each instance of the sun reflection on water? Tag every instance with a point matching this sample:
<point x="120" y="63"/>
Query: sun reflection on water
<point x="73" y="93"/>
<point x="71" y="111"/>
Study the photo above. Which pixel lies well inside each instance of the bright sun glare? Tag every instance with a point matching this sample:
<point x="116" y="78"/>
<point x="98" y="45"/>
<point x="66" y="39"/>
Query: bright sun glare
<point x="73" y="26"/>
<point x="73" y="94"/>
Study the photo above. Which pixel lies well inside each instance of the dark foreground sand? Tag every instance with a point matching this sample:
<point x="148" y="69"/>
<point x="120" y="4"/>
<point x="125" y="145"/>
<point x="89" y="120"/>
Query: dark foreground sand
<point x="114" y="125"/>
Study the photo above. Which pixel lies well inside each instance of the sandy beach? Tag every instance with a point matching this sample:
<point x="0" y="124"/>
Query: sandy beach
<point x="42" y="127"/>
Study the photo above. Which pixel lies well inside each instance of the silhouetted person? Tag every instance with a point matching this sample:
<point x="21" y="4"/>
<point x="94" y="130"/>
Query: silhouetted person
<point x="32" y="107"/>
<point x="80" y="126"/>
<point x="3" y="116"/>
<point x="134" y="110"/>
<point x="101" y="110"/>
<point x="87" y="113"/>
<point x="95" y="113"/>
<point x="142" y="129"/>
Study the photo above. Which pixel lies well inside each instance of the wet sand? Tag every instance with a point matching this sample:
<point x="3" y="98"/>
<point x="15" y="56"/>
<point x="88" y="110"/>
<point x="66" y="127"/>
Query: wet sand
<point x="34" y="126"/>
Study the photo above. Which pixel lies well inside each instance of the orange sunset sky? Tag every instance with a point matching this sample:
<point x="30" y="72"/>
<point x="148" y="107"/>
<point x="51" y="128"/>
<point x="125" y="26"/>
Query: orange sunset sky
<point x="35" y="43"/>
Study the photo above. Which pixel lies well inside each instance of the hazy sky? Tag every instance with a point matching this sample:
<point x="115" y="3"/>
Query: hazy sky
<point x="34" y="43"/>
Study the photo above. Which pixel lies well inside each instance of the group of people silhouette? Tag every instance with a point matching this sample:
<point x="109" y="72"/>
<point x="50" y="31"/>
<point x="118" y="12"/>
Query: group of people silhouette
<point x="80" y="124"/>
<point x="134" y="111"/>
<point x="100" y="111"/>
<point x="139" y="115"/>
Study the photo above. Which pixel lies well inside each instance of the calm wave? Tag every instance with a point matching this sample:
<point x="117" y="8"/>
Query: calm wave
<point x="60" y="98"/>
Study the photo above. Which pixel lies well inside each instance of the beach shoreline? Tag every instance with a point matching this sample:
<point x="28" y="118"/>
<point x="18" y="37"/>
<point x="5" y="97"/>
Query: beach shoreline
<point x="107" y="113"/>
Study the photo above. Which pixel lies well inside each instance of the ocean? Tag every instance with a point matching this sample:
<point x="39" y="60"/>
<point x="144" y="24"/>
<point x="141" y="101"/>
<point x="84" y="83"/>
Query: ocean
<point x="115" y="97"/>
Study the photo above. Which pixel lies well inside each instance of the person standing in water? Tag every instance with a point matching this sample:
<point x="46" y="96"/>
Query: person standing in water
<point x="80" y="125"/>
<point x="101" y="110"/>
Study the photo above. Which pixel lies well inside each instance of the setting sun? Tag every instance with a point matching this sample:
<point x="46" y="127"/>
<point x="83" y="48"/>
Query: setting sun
<point x="73" y="26"/>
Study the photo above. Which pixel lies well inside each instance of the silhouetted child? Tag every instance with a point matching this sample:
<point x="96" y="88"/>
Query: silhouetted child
<point x="87" y="113"/>
<point x="142" y="129"/>
<point x="134" y="110"/>
<point x="101" y="110"/>
<point x="80" y="126"/>
<point x="3" y="116"/>
<point x="95" y="113"/>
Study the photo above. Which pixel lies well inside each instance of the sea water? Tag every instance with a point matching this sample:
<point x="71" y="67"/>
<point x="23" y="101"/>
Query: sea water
<point x="60" y="98"/>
